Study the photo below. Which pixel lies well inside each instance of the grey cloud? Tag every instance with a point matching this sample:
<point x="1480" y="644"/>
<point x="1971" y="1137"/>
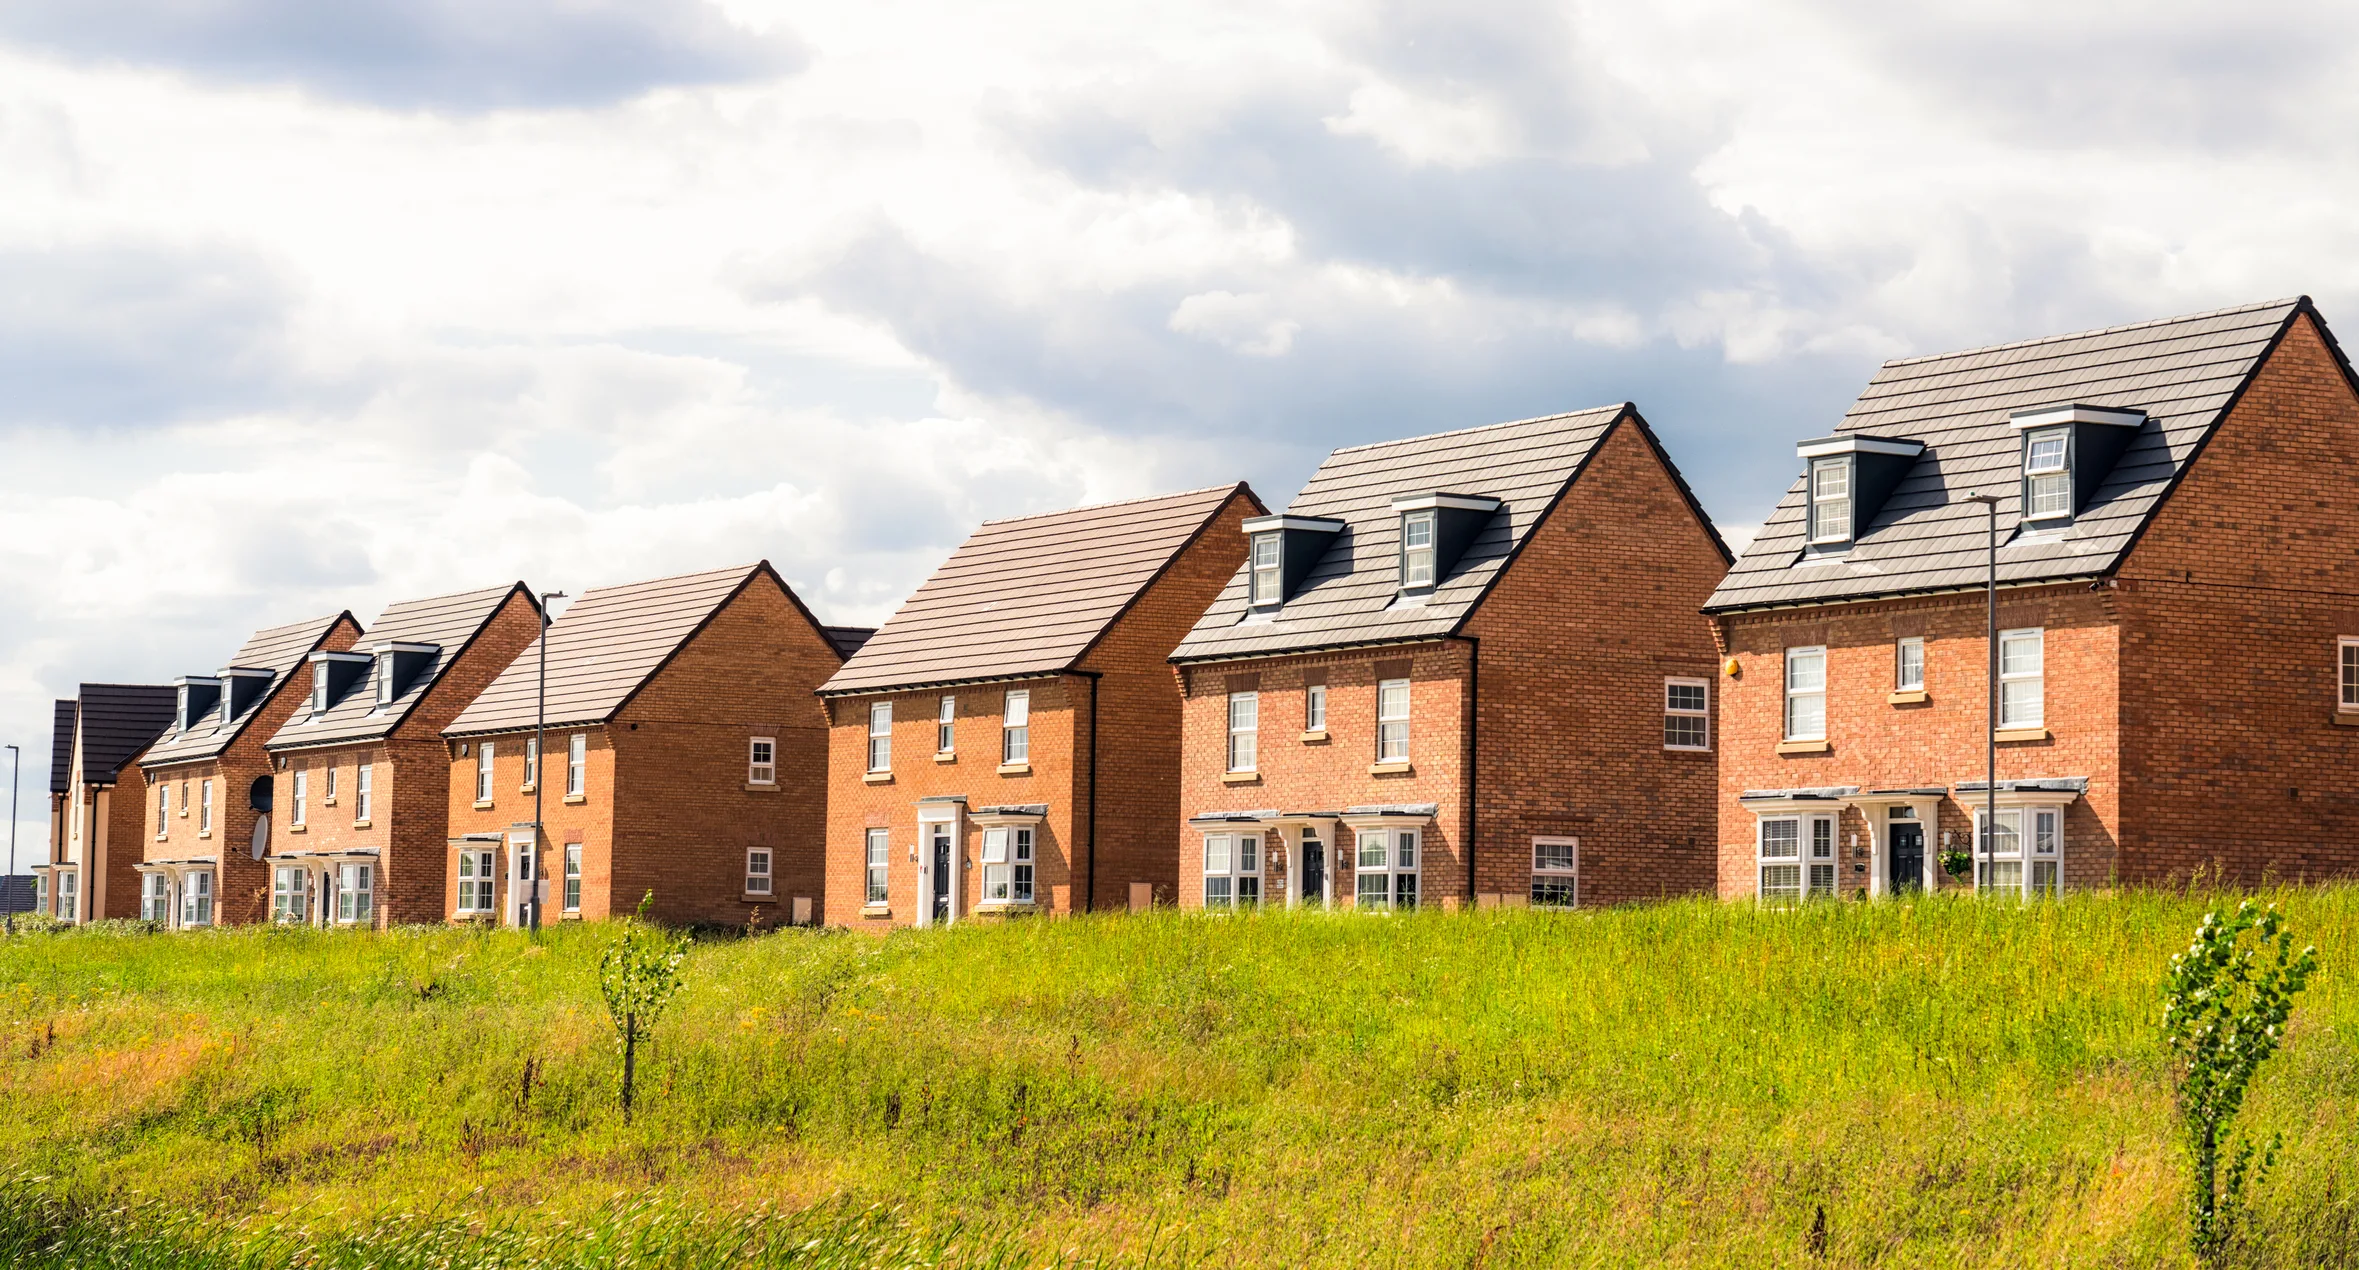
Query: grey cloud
<point x="463" y="55"/>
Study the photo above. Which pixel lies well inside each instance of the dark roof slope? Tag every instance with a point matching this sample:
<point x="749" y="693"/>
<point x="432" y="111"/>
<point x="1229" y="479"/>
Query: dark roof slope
<point x="118" y="721"/>
<point x="61" y="747"/>
<point x="449" y="621"/>
<point x="847" y="639"/>
<point x="280" y="650"/>
<point x="1029" y="596"/>
<point x="1348" y="597"/>
<point x="603" y="648"/>
<point x="2184" y="372"/>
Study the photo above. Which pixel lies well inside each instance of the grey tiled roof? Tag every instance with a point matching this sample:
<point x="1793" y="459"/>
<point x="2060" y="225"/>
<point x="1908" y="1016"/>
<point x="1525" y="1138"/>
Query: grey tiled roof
<point x="61" y="747"/>
<point x="603" y="648"/>
<point x="1029" y="596"/>
<point x="1347" y="597"/>
<point x="450" y="622"/>
<point x="847" y="639"/>
<point x="2183" y="372"/>
<point x="280" y="650"/>
<point x="118" y="721"/>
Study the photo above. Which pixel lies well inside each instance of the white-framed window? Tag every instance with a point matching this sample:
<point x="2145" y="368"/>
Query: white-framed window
<point x="577" y="763"/>
<point x="1687" y="714"/>
<point x="573" y="877"/>
<point x="946" y="725"/>
<point x="364" y="790"/>
<point x="1385" y="869"/>
<point x="1007" y="865"/>
<point x="2026" y="854"/>
<point x="1268" y="580"/>
<point x="880" y="736"/>
<point x="532" y="764"/>
<point x="319" y="688"/>
<point x="761" y="761"/>
<point x="2346" y="652"/>
<point x="1232" y="870"/>
<point x="290" y="894"/>
<point x="1015" y="727"/>
<point x="880" y="856"/>
<point x="1908" y="664"/>
<point x="1314" y="708"/>
<point x="1795" y="857"/>
<point x="328" y="774"/>
<point x="69" y="896"/>
<point x="384" y="679"/>
<point x="163" y="810"/>
<point x="1417" y="532"/>
<point x="475" y="881"/>
<point x="40" y="893"/>
<point x="757" y="871"/>
<point x="1392" y="721"/>
<point x="205" y="806"/>
<point x="155" y="898"/>
<point x="196" y="899"/>
<point x="2047" y="475"/>
<point x="184" y="795"/>
<point x="1556" y="872"/>
<point x="355" y="893"/>
<point x="2022" y="679"/>
<point x="1806" y="694"/>
<point x="1830" y="500"/>
<point x="1244" y="730"/>
<point x="483" y="772"/>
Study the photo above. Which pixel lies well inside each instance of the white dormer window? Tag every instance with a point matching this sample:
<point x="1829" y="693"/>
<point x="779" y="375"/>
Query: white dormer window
<point x="384" y="679"/>
<point x="1268" y="579"/>
<point x="319" y="687"/>
<point x="1830" y="500"/>
<point x="1417" y="549"/>
<point x="2047" y="475"/>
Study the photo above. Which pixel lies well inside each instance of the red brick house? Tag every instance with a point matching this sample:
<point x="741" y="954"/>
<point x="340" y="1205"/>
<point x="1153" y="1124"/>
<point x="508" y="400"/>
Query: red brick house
<point x="91" y="870"/>
<point x="361" y="808"/>
<point x="209" y="780"/>
<point x="1009" y="742"/>
<point x="687" y="757"/>
<point x="1460" y="666"/>
<point x="2178" y="609"/>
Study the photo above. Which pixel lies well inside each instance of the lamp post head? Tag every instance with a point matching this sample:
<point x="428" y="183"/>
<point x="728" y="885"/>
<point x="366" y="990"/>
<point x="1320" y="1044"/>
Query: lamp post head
<point x="1988" y="500"/>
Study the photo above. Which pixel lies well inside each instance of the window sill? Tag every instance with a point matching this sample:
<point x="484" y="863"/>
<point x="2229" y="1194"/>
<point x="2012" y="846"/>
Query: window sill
<point x="328" y="801"/>
<point x="1687" y="749"/>
<point x="1313" y="736"/>
<point x="483" y="804"/>
<point x="876" y="910"/>
<point x="524" y="789"/>
<point x="945" y="756"/>
<point x="759" y="897"/>
<point x="1005" y="908"/>
<point x="1804" y="747"/>
<point x="1907" y="697"/>
<point x="298" y="828"/>
<point x="877" y="778"/>
<point x="1015" y="769"/>
<point x="1390" y="769"/>
<point x="2345" y="718"/>
<point x="204" y="833"/>
<point x="362" y="824"/>
<point x="577" y="798"/>
<point x="2004" y="735"/>
<point x="759" y="787"/>
<point x="1240" y="778"/>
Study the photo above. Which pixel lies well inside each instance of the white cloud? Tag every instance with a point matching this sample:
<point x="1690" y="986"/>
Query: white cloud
<point x="1240" y="323"/>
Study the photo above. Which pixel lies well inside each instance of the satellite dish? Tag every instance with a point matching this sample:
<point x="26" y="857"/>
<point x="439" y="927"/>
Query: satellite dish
<point x="261" y="835"/>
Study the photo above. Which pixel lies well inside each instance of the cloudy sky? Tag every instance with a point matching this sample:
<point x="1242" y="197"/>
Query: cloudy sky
<point x="307" y="307"/>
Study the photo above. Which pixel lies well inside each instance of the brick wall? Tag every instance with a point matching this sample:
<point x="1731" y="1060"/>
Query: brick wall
<point x="587" y="820"/>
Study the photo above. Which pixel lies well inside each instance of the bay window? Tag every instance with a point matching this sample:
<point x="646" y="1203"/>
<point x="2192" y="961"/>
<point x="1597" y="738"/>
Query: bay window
<point x="2021" y="854"/>
<point x="155" y="898"/>
<point x="1232" y="870"/>
<point x="290" y="894"/>
<point x="1007" y="865"/>
<point x="196" y="899"/>
<point x="1385" y="872"/>
<point x="1794" y="857"/>
<point x="475" y="883"/>
<point x="355" y="893"/>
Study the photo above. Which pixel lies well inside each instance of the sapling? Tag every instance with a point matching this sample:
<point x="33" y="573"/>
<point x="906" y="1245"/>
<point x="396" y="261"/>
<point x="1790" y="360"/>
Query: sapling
<point x="638" y="973"/>
<point x="2226" y="1002"/>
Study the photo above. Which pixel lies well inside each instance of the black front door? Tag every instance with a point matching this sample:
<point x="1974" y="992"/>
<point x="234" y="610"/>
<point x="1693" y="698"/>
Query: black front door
<point x="941" y="874"/>
<point x="1314" y="870"/>
<point x="1908" y="858"/>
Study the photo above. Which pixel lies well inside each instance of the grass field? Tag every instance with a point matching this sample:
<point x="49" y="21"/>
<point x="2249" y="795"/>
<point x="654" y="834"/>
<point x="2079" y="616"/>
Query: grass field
<point x="1951" y="1083"/>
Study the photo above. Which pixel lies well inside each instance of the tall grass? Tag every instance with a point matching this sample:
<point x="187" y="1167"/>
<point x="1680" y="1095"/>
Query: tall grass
<point x="1940" y="1082"/>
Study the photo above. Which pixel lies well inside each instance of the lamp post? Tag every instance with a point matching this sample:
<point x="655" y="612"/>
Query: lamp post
<point x="16" y="759"/>
<point x="1985" y="841"/>
<point x="540" y="766"/>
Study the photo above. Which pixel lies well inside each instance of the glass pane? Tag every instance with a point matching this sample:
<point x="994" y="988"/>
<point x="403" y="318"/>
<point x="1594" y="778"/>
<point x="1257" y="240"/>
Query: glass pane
<point x="2019" y="654"/>
<point x="1781" y="881"/>
<point x="1248" y="892"/>
<point x="1822" y="879"/>
<point x="2020" y="703"/>
<point x="1404" y="890"/>
<point x="1216" y="892"/>
<point x="1417" y="531"/>
<point x="1806" y="716"/>
<point x="1683" y="696"/>
<point x="1248" y="853"/>
<point x="1216" y="854"/>
<point x="1372" y="890"/>
<point x="1553" y="893"/>
<point x="1372" y="850"/>
<point x="1684" y="730"/>
<point x="1553" y="856"/>
<point x="2043" y="877"/>
<point x="1806" y="669"/>
<point x="1408" y="850"/>
<point x="1822" y="839"/>
<point x="1781" y="839"/>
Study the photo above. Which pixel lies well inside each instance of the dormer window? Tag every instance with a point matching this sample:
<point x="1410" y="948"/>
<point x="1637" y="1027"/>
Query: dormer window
<point x="1417" y="549"/>
<point x="335" y="675"/>
<point x="2067" y="452"/>
<point x="2047" y="474"/>
<point x="319" y="687"/>
<point x="1830" y="500"/>
<point x="1279" y="554"/>
<point x="384" y="679"/>
<point x="1269" y="586"/>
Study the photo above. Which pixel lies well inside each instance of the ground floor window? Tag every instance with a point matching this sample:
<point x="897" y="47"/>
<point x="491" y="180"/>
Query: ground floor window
<point x="1007" y="865"/>
<point x="573" y="877"/>
<point x="1796" y="857"/>
<point x="879" y="855"/>
<point x="155" y="898"/>
<point x="757" y="872"/>
<point x="290" y="894"/>
<point x="1556" y="872"/>
<point x="355" y="892"/>
<point x="2024" y="856"/>
<point x="1232" y="870"/>
<point x="196" y="899"/>
<point x="40" y="893"/>
<point x="1385" y="872"/>
<point x="69" y="899"/>
<point x="475" y="881"/>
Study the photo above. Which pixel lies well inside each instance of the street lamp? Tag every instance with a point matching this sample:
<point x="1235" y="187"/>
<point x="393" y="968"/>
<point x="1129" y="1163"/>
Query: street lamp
<point x="1985" y="841"/>
<point x="540" y="767"/>
<point x="16" y="759"/>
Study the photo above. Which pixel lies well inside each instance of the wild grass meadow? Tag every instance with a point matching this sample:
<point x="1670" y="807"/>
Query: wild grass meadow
<point x="1936" y="1083"/>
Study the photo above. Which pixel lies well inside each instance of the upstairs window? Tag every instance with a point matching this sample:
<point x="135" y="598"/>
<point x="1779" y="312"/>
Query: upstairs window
<point x="1314" y="708"/>
<point x="319" y="687"/>
<point x="2347" y="657"/>
<point x="1268" y="580"/>
<point x="1806" y="694"/>
<point x="1687" y="714"/>
<point x="483" y="772"/>
<point x="1244" y="730"/>
<point x="761" y="761"/>
<point x="330" y="773"/>
<point x="1908" y="668"/>
<point x="946" y="726"/>
<point x="1417" y="549"/>
<point x="880" y="736"/>
<point x="1830" y="500"/>
<point x="205" y="806"/>
<point x="363" y="791"/>
<point x="2022" y="679"/>
<point x="1392" y="721"/>
<point x="164" y="809"/>
<point x="1015" y="728"/>
<point x="2047" y="474"/>
<point x="757" y="872"/>
<point x="384" y="679"/>
<point x="577" y="764"/>
<point x="301" y="812"/>
<point x="532" y="762"/>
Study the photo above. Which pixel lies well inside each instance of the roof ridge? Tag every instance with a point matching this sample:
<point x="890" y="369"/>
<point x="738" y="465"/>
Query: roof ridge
<point x="502" y="587"/>
<point x="1459" y="432"/>
<point x="1174" y="496"/>
<point x="587" y="592"/>
<point x="2256" y="307"/>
